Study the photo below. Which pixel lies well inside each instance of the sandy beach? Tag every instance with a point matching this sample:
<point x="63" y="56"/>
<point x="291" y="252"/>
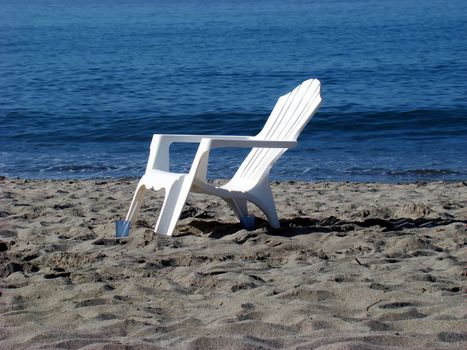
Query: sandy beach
<point x="355" y="266"/>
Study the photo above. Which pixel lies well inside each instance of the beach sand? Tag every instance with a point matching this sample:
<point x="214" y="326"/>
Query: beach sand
<point x="355" y="266"/>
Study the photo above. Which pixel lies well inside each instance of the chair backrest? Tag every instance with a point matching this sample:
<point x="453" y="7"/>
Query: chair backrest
<point x="288" y="118"/>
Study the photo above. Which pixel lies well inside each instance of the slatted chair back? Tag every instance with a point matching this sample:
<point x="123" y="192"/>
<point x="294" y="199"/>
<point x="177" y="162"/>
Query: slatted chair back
<point x="288" y="118"/>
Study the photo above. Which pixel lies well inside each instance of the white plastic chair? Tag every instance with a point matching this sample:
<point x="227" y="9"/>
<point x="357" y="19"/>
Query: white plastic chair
<point x="250" y="183"/>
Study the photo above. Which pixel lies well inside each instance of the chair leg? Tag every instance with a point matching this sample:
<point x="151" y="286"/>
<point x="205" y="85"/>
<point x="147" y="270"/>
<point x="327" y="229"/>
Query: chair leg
<point x="269" y="209"/>
<point x="264" y="200"/>
<point x="135" y="206"/>
<point x="175" y="198"/>
<point x="240" y="208"/>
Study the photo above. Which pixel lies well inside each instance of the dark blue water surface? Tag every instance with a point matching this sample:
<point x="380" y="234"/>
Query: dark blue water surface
<point x="84" y="84"/>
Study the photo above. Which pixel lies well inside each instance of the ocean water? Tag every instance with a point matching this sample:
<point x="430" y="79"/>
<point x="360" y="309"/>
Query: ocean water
<point x="84" y="84"/>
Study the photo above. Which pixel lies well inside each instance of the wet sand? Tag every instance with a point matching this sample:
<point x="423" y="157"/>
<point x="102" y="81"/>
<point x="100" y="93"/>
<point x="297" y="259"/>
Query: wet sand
<point x="355" y="266"/>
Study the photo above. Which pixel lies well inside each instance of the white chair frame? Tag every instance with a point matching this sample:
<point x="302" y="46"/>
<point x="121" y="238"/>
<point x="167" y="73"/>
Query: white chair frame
<point x="249" y="184"/>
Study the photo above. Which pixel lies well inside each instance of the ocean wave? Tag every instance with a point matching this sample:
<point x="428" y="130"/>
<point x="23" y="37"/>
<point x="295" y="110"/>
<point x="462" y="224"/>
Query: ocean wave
<point x="429" y="173"/>
<point x="79" y="168"/>
<point x="35" y="127"/>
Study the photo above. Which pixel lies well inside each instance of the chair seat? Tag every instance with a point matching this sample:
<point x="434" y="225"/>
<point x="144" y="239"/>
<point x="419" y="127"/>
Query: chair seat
<point x="224" y="191"/>
<point x="157" y="179"/>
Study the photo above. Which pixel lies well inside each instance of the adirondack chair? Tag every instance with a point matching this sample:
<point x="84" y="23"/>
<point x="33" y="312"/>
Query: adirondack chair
<point x="249" y="184"/>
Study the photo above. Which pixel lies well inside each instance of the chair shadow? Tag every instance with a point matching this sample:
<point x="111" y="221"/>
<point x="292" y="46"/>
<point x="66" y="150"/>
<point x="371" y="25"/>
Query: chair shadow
<point x="301" y="225"/>
<point x="305" y="225"/>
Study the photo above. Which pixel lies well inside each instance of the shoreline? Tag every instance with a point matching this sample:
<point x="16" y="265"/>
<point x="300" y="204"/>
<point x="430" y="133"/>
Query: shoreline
<point x="355" y="266"/>
<point x="222" y="180"/>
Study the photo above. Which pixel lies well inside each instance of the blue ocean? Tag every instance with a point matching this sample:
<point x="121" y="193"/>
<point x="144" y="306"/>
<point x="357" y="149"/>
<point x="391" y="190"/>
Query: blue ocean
<point x="84" y="84"/>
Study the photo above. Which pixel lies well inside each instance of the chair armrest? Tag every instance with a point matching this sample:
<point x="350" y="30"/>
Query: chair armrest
<point x="159" y="151"/>
<point x="225" y="141"/>
<point x="171" y="138"/>
<point x="250" y="143"/>
<point x="199" y="167"/>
